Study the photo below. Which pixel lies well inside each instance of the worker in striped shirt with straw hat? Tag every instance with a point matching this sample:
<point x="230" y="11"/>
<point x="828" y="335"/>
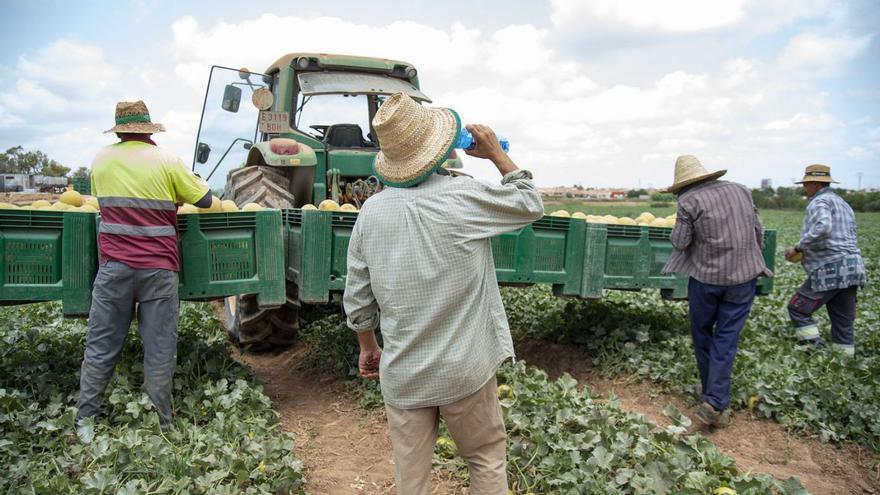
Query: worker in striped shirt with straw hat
<point x="829" y="251"/>
<point x="719" y="242"/>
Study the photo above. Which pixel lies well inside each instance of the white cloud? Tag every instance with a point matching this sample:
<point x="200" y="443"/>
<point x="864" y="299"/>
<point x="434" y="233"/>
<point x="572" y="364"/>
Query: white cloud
<point x="801" y="121"/>
<point x="860" y="153"/>
<point x="822" y="55"/>
<point x="668" y="15"/>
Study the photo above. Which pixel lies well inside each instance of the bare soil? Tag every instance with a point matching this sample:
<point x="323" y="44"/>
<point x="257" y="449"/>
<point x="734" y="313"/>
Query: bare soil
<point x="345" y="449"/>
<point x="757" y="445"/>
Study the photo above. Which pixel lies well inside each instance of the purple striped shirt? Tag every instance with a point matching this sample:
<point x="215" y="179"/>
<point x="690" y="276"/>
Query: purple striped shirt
<point x="718" y="235"/>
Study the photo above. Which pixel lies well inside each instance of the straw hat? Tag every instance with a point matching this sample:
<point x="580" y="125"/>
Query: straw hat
<point x="413" y="140"/>
<point x="133" y="117"/>
<point x="689" y="170"/>
<point x="817" y="173"/>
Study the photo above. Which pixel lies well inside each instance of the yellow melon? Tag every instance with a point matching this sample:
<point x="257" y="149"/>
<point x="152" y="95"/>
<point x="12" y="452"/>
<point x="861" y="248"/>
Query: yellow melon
<point x="40" y="203"/>
<point x="348" y="207"/>
<point x="71" y="197"/>
<point x="328" y="205"/>
<point x="89" y="208"/>
<point x="646" y="217"/>
<point x="7" y="206"/>
<point x="579" y="214"/>
<point x="228" y="205"/>
<point x="252" y="207"/>
<point x="309" y="207"/>
<point x="560" y="213"/>
<point x="658" y="222"/>
<point x="58" y="205"/>
<point x="186" y="209"/>
<point x="216" y="206"/>
<point x="626" y="221"/>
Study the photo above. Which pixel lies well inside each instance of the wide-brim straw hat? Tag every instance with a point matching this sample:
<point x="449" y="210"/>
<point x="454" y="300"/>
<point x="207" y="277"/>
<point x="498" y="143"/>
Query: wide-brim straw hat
<point x="817" y="173"/>
<point x="413" y="140"/>
<point x="134" y="118"/>
<point x="689" y="170"/>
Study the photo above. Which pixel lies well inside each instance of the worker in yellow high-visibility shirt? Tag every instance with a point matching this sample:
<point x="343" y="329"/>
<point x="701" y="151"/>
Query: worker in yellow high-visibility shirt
<point x="138" y="186"/>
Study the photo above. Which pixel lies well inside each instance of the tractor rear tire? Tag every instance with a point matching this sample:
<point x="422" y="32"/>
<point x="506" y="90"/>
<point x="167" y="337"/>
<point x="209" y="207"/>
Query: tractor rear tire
<point x="248" y="325"/>
<point x="260" y="329"/>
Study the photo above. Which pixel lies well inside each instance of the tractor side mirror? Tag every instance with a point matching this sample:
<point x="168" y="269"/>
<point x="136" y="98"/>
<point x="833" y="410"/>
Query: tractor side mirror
<point x="202" y="153"/>
<point x="231" y="98"/>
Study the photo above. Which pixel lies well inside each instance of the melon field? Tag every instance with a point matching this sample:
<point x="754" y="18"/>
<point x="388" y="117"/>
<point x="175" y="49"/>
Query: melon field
<point x="599" y="401"/>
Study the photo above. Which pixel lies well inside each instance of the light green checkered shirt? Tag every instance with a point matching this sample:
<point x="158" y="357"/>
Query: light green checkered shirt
<point x="420" y="263"/>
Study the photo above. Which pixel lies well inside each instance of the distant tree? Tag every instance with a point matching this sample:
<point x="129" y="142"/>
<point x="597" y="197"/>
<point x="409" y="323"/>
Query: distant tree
<point x="18" y="161"/>
<point x="81" y="173"/>
<point x="659" y="197"/>
<point x="635" y="193"/>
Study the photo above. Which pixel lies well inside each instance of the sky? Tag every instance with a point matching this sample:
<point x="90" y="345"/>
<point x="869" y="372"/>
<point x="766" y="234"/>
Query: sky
<point x="601" y="93"/>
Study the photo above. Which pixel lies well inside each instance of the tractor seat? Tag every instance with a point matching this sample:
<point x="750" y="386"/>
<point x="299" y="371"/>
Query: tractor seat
<point x="344" y="136"/>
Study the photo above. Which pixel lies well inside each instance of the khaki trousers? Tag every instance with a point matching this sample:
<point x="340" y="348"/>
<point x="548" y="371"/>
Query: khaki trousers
<point x="477" y="427"/>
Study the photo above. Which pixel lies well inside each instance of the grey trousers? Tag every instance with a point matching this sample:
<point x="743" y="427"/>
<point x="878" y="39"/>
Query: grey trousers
<point x="117" y="288"/>
<point x="841" y="307"/>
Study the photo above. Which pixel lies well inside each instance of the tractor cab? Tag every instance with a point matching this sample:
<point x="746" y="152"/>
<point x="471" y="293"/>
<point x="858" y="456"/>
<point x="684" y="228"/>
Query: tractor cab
<point x="325" y="103"/>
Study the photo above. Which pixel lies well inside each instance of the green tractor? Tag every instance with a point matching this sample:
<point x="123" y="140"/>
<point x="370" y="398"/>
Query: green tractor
<point x="326" y="104"/>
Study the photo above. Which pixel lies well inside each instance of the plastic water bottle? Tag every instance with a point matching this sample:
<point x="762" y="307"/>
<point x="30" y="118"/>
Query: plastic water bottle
<point x="466" y="141"/>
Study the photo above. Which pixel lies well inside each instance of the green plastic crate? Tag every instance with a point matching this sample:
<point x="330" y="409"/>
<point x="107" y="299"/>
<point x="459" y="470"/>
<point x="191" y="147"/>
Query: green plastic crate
<point x="48" y="256"/>
<point x="550" y="251"/>
<point x="82" y="185"/>
<point x="317" y="251"/>
<point x="226" y="254"/>
<point x="632" y="257"/>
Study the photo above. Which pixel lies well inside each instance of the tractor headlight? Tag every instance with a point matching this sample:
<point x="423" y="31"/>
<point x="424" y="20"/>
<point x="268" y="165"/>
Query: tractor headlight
<point x="411" y="72"/>
<point x="302" y="63"/>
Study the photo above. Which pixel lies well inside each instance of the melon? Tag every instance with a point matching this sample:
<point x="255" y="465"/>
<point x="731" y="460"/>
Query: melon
<point x="328" y="205"/>
<point x="7" y="206"/>
<point x="186" y="209"/>
<point x="216" y="206"/>
<point x="40" y="203"/>
<point x="58" y="205"/>
<point x="71" y="197"/>
<point x="309" y="207"/>
<point x="579" y="214"/>
<point x="626" y="221"/>
<point x="89" y="208"/>
<point x="646" y="217"/>
<point x="348" y="207"/>
<point x="611" y="219"/>
<point x="252" y="207"/>
<point x="560" y="213"/>
<point x="658" y="222"/>
<point x="228" y="205"/>
<point x="93" y="202"/>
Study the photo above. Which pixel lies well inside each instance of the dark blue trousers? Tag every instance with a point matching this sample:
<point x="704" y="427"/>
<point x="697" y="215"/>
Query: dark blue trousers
<point x="718" y="314"/>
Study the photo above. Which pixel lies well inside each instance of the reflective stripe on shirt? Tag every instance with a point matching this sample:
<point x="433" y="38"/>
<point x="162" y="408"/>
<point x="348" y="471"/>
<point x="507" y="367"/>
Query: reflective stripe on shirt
<point x="146" y="231"/>
<point x="151" y="204"/>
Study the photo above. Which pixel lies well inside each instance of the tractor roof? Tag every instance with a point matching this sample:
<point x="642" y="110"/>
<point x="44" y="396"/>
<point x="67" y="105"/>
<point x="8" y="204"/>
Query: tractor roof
<point x="329" y="59"/>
